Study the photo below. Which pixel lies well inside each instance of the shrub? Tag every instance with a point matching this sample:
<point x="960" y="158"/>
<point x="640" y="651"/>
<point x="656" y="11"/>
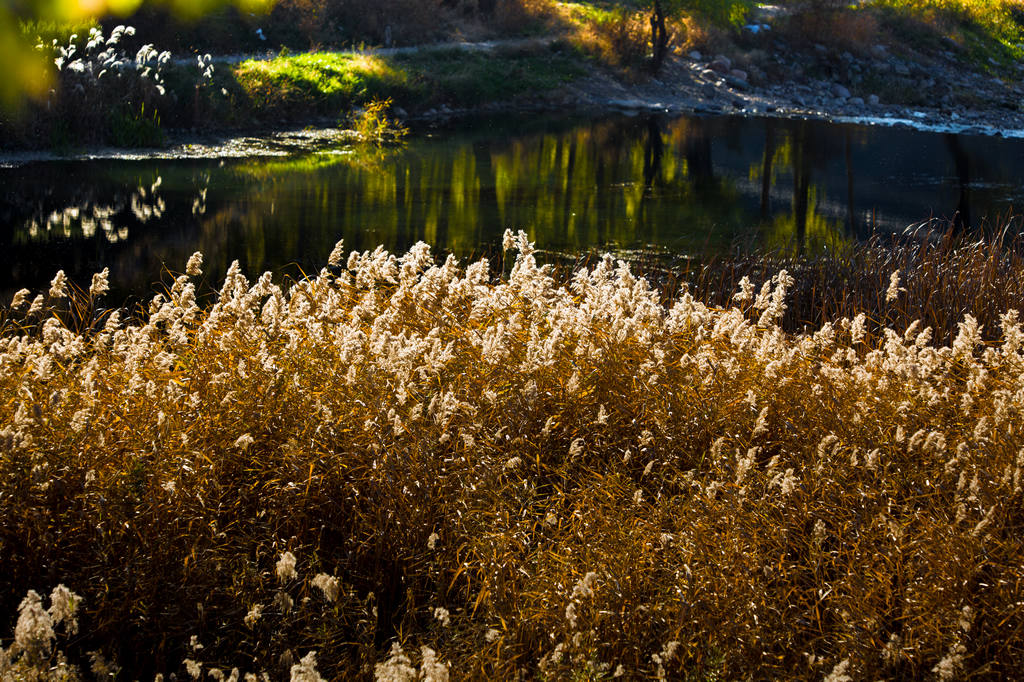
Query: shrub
<point x="374" y="123"/>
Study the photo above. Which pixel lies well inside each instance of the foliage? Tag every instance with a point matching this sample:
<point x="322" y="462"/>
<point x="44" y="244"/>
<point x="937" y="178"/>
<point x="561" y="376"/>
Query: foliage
<point x="375" y="123"/>
<point x="97" y="80"/>
<point x="104" y="93"/>
<point x="984" y="28"/>
<point x="403" y="464"/>
<point x="631" y="33"/>
<point x="28" y="72"/>
<point x="979" y="29"/>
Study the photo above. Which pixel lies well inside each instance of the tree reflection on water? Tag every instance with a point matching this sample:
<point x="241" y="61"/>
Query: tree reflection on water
<point x="686" y="185"/>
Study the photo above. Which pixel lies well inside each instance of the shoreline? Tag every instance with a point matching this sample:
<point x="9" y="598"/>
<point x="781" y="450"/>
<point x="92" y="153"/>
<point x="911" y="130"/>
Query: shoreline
<point x="320" y="135"/>
<point x="677" y="93"/>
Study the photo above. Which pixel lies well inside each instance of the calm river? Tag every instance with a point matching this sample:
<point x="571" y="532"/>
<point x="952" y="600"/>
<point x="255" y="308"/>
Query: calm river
<point x="688" y="185"/>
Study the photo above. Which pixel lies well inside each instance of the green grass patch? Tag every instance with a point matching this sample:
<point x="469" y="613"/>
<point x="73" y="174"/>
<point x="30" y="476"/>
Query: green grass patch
<point x="322" y="80"/>
<point x="332" y="83"/>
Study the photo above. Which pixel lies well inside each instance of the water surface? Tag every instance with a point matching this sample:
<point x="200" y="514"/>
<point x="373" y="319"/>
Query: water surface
<point x="687" y="185"/>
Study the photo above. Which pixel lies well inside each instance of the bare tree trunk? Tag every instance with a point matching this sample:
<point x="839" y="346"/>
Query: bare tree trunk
<point x="659" y="36"/>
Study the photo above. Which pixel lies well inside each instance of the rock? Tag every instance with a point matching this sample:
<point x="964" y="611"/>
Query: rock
<point x="856" y="101"/>
<point x="737" y="83"/>
<point x="628" y="104"/>
<point x="718" y="67"/>
<point x="840" y="91"/>
<point x="873" y="100"/>
<point x="739" y="73"/>
<point x="721" y="64"/>
<point x="708" y="73"/>
<point x="709" y="91"/>
<point x="400" y="112"/>
<point x="879" y="50"/>
<point x="820" y="48"/>
<point x="696" y="56"/>
<point x="901" y="69"/>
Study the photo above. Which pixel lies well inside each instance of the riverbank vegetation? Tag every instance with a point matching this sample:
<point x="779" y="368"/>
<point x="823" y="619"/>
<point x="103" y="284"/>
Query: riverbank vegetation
<point x="412" y="467"/>
<point x="325" y="64"/>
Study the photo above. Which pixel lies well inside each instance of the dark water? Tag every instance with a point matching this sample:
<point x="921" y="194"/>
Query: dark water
<point x="690" y="185"/>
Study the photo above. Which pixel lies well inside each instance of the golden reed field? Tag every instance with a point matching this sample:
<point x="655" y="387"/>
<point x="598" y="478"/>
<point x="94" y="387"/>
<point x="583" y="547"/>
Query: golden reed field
<point x="402" y="469"/>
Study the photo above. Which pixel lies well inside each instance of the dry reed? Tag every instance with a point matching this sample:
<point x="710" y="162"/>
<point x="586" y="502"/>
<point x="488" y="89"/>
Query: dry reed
<point x="419" y="469"/>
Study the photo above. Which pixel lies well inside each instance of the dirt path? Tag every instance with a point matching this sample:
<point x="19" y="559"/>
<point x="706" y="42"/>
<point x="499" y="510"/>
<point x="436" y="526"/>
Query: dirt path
<point x="482" y="46"/>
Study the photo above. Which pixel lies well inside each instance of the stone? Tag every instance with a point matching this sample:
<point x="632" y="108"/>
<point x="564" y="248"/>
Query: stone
<point x="719" y="67"/>
<point x="696" y="56"/>
<point x="856" y="101"/>
<point x="721" y="64"/>
<point x="873" y="100"/>
<point x="739" y="73"/>
<point x="901" y="69"/>
<point x="628" y="104"/>
<point x="879" y="50"/>
<point x="737" y="83"/>
<point x="820" y="48"/>
<point x="840" y="91"/>
<point x="709" y="91"/>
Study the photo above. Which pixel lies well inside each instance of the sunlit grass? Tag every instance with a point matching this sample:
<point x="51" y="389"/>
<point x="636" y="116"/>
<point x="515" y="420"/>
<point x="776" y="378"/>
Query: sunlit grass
<point x="331" y="82"/>
<point x="338" y="78"/>
<point x="399" y="462"/>
<point x="985" y="28"/>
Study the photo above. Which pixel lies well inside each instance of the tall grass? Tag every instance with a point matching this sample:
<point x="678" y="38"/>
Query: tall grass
<point x="403" y="465"/>
<point x="946" y="273"/>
